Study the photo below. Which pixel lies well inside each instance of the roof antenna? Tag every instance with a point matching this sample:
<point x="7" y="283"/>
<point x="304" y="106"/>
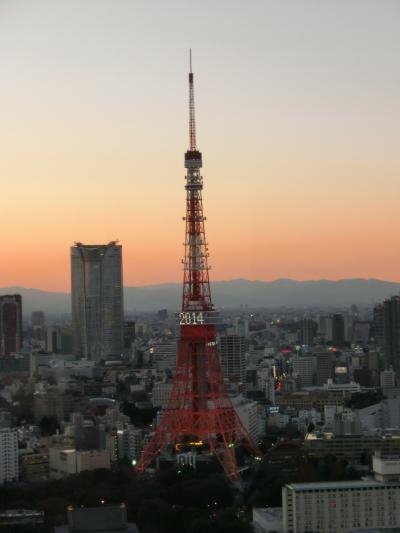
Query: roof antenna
<point x="190" y="59"/>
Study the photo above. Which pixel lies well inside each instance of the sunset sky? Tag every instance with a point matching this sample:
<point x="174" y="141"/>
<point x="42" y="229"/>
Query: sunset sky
<point x="298" y="115"/>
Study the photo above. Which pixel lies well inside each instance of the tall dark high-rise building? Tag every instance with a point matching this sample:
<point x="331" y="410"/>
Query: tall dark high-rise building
<point x="309" y="330"/>
<point x="338" y="335"/>
<point x="38" y="325"/>
<point x="10" y="324"/>
<point x="233" y="361"/>
<point x="37" y="318"/>
<point x="378" y="325"/>
<point x="129" y="333"/>
<point x="324" y="367"/>
<point x="97" y="300"/>
<point x="387" y="331"/>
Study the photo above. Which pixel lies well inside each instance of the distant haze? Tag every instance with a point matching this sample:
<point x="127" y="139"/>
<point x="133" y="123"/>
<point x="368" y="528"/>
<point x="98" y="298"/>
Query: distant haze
<point x="230" y="294"/>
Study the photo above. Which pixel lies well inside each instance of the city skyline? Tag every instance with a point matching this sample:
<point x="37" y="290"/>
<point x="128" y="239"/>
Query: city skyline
<point x="298" y="116"/>
<point x="158" y="396"/>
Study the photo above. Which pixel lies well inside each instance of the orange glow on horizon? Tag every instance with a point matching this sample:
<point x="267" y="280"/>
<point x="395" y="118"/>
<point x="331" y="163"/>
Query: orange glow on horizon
<point x="298" y="129"/>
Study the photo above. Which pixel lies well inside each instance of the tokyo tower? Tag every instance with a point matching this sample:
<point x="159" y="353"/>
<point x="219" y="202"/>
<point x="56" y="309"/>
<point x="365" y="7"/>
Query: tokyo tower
<point x="199" y="412"/>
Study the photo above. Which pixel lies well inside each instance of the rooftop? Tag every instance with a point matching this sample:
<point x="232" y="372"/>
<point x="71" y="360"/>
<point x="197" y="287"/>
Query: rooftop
<point x="335" y="485"/>
<point x="20" y="512"/>
<point x="82" y="245"/>
<point x="108" y="519"/>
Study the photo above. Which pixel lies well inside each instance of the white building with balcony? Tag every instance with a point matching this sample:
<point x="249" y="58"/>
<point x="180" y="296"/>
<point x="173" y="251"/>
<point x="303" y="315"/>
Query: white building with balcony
<point x="345" y="506"/>
<point x="8" y="456"/>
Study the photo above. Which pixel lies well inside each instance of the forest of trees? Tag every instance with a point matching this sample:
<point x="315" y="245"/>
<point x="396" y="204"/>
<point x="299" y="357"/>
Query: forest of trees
<point x="175" y="501"/>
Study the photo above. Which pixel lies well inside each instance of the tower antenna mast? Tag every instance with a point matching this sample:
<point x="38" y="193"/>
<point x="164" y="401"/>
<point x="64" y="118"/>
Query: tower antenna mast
<point x="192" y="118"/>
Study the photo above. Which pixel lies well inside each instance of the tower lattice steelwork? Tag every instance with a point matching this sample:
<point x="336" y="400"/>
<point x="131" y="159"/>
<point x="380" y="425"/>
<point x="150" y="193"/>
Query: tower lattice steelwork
<point x="199" y="411"/>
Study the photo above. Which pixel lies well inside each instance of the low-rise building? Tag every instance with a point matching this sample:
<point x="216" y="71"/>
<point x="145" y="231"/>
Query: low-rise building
<point x="267" y="519"/>
<point x="20" y="519"/>
<point x="64" y="462"/>
<point x="354" y="448"/>
<point x="34" y="466"/>
<point x="344" y="506"/>
<point x="97" y="520"/>
<point x="312" y="399"/>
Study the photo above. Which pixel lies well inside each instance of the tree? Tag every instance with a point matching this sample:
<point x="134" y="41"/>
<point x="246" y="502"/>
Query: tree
<point x="49" y="426"/>
<point x="156" y="514"/>
<point x="22" y="407"/>
<point x="138" y="417"/>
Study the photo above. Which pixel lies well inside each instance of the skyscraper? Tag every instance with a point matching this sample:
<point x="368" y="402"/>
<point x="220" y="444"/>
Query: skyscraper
<point x="387" y="331"/>
<point x="38" y="325"/>
<point x="378" y="325"/>
<point x="8" y="456"/>
<point x="338" y="332"/>
<point x="325" y="327"/>
<point x="303" y="366"/>
<point x="233" y="360"/>
<point x="309" y="330"/>
<point x="37" y="319"/>
<point x="97" y="300"/>
<point x="10" y="324"/>
<point x="324" y="367"/>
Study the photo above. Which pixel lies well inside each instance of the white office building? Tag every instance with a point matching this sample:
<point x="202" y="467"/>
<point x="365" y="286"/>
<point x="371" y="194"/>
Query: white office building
<point x="68" y="461"/>
<point x="249" y="414"/>
<point x="129" y="442"/>
<point x="345" y="506"/>
<point x="382" y="415"/>
<point x="8" y="455"/>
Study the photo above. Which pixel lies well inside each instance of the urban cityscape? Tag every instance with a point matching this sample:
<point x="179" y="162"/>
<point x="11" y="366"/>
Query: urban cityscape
<point x="208" y="404"/>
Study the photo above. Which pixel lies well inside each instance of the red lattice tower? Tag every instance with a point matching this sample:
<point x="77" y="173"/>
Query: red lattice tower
<point x="199" y="409"/>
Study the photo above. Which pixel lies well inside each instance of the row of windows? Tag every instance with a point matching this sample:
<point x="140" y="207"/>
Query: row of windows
<point x="339" y="491"/>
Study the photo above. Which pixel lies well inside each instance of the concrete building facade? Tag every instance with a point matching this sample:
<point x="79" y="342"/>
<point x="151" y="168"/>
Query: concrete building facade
<point x="248" y="413"/>
<point x="387" y="331"/>
<point x="160" y="394"/>
<point x="67" y="461"/>
<point x="344" y="506"/>
<point x="8" y="456"/>
<point x="303" y="367"/>
<point x="233" y="357"/>
<point x="10" y="324"/>
<point x="97" y="300"/>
